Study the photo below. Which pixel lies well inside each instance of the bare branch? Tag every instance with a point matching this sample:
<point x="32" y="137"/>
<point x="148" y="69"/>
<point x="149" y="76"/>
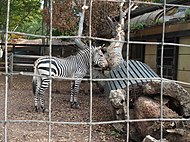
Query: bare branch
<point x="112" y="25"/>
<point x="122" y="15"/>
<point x="80" y="44"/>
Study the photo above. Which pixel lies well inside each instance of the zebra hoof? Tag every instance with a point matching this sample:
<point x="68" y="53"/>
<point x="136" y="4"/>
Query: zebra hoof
<point x="36" y="109"/>
<point x="75" y="105"/>
<point x="43" y="109"/>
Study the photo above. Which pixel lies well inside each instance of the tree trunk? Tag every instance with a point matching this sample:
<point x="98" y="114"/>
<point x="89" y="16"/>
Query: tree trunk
<point x="114" y="50"/>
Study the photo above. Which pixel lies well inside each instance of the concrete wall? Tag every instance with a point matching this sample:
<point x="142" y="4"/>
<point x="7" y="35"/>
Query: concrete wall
<point x="184" y="62"/>
<point x="183" y="71"/>
<point x="150" y="56"/>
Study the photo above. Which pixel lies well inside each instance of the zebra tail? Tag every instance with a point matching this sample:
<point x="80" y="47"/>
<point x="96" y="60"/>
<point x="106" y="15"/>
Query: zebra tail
<point x="34" y="80"/>
<point x="34" y="83"/>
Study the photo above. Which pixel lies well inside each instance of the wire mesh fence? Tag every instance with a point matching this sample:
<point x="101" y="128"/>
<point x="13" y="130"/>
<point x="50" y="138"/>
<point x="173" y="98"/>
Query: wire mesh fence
<point x="87" y="126"/>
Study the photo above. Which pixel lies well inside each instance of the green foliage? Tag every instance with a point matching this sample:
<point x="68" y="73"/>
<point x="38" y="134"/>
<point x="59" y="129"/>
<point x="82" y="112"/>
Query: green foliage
<point x="138" y="26"/>
<point x="25" y="15"/>
<point x="114" y="133"/>
<point x="187" y="14"/>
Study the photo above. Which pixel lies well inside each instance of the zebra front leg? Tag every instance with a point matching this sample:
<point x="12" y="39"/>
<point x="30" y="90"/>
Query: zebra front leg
<point x="74" y="94"/>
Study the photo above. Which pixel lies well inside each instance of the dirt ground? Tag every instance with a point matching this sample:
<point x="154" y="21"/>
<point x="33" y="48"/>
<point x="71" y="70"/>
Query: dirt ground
<point x="21" y="107"/>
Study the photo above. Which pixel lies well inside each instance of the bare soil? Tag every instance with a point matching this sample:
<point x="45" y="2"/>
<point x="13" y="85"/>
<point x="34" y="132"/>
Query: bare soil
<point x="20" y="106"/>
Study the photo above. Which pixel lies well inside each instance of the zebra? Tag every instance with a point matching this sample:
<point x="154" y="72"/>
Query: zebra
<point x="75" y="66"/>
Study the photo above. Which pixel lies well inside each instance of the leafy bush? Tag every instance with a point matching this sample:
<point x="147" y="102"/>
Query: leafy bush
<point x="138" y="26"/>
<point x="187" y="13"/>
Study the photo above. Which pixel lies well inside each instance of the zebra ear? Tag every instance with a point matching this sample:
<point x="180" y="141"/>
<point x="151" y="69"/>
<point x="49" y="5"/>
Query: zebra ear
<point x="100" y="47"/>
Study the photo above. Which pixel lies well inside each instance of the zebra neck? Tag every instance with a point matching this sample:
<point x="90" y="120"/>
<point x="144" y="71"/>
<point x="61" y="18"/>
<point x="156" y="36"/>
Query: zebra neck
<point x="83" y="58"/>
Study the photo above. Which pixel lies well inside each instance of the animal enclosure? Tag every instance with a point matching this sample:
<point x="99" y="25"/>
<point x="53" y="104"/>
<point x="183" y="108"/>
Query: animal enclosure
<point x="152" y="111"/>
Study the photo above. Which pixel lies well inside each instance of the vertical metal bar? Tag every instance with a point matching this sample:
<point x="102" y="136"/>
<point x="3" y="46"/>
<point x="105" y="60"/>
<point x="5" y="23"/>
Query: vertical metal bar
<point x="90" y="41"/>
<point x="6" y="69"/>
<point x="127" y="58"/>
<point x="50" y="83"/>
<point x="161" y="71"/>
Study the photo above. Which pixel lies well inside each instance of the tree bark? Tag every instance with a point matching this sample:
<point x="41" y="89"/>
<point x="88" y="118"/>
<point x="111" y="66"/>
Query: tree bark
<point x="176" y="92"/>
<point x="114" y="50"/>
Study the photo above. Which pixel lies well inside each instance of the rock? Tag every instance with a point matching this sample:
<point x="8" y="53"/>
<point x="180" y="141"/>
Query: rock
<point x="147" y="108"/>
<point x="118" y="103"/>
<point x="119" y="108"/>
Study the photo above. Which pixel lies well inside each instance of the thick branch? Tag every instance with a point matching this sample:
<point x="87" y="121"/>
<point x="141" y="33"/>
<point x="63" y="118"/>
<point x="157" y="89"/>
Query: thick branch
<point x="78" y="41"/>
<point x="80" y="44"/>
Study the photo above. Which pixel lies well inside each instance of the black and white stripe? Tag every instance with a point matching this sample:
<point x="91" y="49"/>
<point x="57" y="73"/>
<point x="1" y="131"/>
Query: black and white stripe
<point x="72" y="67"/>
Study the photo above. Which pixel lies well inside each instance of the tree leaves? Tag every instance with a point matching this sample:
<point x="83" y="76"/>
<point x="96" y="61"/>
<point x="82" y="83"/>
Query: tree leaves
<point x="22" y="12"/>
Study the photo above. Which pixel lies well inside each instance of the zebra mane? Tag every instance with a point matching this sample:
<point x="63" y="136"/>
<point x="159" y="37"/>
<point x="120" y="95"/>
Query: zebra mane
<point x="87" y="49"/>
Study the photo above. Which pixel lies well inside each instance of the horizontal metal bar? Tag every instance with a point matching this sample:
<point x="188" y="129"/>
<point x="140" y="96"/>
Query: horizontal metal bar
<point x="26" y="56"/>
<point x="26" y="65"/>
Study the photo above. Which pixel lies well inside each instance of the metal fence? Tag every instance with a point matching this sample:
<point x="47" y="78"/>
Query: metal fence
<point x="128" y="41"/>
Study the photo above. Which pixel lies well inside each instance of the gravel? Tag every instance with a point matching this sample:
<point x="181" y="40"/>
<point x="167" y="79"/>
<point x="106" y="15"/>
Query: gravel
<point x="21" y="107"/>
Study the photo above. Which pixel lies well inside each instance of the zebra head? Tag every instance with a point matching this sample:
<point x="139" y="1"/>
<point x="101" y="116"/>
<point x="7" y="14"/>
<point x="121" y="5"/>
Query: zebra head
<point x="99" y="58"/>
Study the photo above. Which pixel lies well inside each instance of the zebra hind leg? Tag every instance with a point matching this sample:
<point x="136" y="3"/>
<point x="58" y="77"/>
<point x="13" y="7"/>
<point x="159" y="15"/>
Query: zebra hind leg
<point x="35" y="86"/>
<point x="36" y="103"/>
<point x="75" y="105"/>
<point x="44" y="85"/>
<point x="72" y="95"/>
<point x="74" y="92"/>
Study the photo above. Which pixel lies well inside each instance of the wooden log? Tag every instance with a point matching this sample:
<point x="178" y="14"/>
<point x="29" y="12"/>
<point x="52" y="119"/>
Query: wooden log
<point x="178" y="135"/>
<point x="173" y="90"/>
<point x="149" y="138"/>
